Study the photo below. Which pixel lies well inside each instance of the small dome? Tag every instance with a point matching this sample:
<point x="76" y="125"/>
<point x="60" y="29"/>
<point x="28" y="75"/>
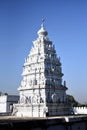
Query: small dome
<point x="42" y="32"/>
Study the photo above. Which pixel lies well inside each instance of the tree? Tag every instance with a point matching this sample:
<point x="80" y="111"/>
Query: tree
<point x="72" y="100"/>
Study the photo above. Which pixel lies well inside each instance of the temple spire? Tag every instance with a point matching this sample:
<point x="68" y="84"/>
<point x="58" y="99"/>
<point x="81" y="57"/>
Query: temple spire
<point x="41" y="91"/>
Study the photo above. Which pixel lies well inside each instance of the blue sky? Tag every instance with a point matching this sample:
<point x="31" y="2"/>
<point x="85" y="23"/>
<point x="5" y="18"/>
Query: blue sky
<point x="66" y="23"/>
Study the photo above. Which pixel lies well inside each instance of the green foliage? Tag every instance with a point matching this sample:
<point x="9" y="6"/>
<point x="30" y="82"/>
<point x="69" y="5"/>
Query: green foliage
<point x="74" y="103"/>
<point x="71" y="100"/>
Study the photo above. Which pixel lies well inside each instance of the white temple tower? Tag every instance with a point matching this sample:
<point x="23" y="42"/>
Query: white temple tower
<point x="41" y="91"/>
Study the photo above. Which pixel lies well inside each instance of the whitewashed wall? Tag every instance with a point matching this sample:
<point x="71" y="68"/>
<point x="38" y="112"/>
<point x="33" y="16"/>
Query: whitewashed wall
<point x="6" y="102"/>
<point x="80" y="110"/>
<point x="3" y="103"/>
